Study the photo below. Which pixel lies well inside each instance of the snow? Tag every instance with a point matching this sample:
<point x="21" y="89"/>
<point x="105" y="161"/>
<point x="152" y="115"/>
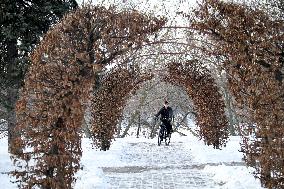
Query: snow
<point x="227" y="154"/>
<point x="224" y="167"/>
<point x="5" y="165"/>
<point x="235" y="177"/>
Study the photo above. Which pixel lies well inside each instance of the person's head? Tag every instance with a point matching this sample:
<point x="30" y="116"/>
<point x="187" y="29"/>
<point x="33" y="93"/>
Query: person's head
<point x="166" y="104"/>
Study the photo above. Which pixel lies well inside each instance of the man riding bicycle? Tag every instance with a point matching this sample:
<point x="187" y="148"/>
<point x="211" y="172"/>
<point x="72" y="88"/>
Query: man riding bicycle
<point x="166" y="113"/>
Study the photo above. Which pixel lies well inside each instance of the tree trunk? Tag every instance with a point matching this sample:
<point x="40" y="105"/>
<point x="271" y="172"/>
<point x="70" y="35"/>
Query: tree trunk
<point x="231" y="116"/>
<point x="12" y="93"/>
<point x="131" y="121"/>
<point x="139" y="125"/>
<point x="12" y="134"/>
<point x="119" y="126"/>
<point x="86" y="129"/>
<point x="154" y="129"/>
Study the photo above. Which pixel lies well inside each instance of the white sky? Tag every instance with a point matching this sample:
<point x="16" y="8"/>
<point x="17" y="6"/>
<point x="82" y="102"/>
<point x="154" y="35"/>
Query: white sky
<point x="166" y="8"/>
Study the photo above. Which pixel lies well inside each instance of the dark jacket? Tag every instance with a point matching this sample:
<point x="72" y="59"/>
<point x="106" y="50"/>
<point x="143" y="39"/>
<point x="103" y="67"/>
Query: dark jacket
<point x="166" y="114"/>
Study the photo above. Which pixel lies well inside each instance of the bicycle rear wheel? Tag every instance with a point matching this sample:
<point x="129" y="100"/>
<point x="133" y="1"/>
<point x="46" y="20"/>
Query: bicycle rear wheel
<point x="160" y="137"/>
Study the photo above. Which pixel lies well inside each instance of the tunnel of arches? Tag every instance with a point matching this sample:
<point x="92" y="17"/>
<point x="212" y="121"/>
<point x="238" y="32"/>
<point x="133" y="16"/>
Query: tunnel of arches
<point x="72" y="68"/>
<point x="110" y="99"/>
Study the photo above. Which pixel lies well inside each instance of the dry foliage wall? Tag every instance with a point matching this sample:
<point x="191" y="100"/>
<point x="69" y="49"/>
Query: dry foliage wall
<point x="109" y="101"/>
<point x="58" y="84"/>
<point x="250" y="45"/>
<point x="50" y="110"/>
<point x="208" y="103"/>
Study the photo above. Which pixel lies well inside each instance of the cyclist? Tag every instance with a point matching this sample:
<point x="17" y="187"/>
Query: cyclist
<point x="166" y="113"/>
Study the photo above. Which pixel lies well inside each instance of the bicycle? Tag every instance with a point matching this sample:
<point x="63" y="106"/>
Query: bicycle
<point x="163" y="135"/>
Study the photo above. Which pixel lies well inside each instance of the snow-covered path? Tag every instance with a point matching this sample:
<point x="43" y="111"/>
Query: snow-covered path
<point x="139" y="163"/>
<point x="158" y="167"/>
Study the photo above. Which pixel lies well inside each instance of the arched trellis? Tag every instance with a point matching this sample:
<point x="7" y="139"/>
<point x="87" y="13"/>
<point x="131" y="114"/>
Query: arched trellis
<point x="254" y="67"/>
<point x="64" y="66"/>
<point x="207" y="100"/>
<point x="110" y="100"/>
<point x="51" y="108"/>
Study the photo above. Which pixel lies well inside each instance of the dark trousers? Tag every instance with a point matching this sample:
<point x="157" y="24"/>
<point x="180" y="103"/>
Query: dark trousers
<point x="168" y="125"/>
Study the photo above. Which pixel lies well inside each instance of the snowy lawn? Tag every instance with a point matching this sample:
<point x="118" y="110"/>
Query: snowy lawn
<point x="224" y="167"/>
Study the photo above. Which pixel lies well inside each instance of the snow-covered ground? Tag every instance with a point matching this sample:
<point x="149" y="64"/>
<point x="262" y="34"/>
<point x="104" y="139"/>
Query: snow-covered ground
<point x="139" y="163"/>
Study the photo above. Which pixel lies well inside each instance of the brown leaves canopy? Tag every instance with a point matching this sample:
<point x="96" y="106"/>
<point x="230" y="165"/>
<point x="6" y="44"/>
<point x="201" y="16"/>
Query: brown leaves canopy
<point x="250" y="45"/>
<point x="207" y="100"/>
<point x="51" y="108"/>
<point x="109" y="101"/>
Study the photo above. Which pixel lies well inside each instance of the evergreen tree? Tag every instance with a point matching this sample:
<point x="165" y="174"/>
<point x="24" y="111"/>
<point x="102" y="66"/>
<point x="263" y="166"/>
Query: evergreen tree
<point x="22" y="24"/>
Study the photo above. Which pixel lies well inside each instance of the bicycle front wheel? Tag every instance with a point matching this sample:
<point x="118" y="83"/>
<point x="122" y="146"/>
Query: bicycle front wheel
<point x="159" y="140"/>
<point x="168" y="140"/>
